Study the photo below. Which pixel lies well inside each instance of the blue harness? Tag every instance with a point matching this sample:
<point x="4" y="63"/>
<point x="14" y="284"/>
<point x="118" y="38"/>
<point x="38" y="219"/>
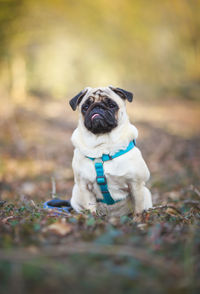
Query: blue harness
<point x="101" y="179"/>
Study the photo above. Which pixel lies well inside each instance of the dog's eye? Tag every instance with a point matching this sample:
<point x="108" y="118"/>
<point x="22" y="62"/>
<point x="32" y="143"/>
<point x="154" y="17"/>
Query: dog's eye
<point x="111" y="104"/>
<point x="85" y="107"/>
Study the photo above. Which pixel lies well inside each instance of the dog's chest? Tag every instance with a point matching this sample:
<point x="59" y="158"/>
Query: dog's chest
<point x="115" y="171"/>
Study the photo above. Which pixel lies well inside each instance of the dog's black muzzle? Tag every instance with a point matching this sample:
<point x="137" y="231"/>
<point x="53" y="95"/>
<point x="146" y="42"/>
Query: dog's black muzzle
<point x="100" y="119"/>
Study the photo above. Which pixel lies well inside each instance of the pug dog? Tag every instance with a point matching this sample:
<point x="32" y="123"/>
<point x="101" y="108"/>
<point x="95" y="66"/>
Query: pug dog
<point x="104" y="131"/>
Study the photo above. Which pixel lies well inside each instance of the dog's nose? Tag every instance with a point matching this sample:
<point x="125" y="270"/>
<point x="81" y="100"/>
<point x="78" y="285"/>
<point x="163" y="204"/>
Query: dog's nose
<point x="97" y="106"/>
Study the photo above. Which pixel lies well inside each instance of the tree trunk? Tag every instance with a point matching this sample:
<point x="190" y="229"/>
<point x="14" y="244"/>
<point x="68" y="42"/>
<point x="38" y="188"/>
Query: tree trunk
<point x="18" y="79"/>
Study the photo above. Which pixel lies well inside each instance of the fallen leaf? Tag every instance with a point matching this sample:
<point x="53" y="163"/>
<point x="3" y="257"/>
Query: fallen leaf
<point x="137" y="218"/>
<point x="5" y="220"/>
<point x="59" y="228"/>
<point x="32" y="249"/>
<point x="142" y="226"/>
<point x="172" y="211"/>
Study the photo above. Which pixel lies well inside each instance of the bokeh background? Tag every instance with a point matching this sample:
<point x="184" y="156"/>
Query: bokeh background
<point x="52" y="49"/>
<point x="49" y="51"/>
<point x="57" y="47"/>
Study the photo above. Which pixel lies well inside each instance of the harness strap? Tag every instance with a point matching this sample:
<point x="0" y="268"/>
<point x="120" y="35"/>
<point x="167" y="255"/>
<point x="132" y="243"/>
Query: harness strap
<point x="101" y="179"/>
<point x="102" y="182"/>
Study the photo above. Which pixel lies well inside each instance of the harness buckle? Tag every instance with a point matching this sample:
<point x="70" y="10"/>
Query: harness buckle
<point x="101" y="180"/>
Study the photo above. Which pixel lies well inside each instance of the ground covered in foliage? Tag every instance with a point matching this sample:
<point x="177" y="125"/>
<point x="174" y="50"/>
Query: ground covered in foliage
<point x="157" y="251"/>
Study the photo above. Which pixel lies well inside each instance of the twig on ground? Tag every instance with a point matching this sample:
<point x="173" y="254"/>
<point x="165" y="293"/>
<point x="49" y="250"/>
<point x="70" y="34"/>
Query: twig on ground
<point x="158" y="207"/>
<point x="53" y="192"/>
<point x="33" y="203"/>
<point x="197" y="191"/>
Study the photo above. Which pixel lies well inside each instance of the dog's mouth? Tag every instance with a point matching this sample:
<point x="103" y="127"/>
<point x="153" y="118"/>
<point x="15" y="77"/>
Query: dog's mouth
<point x="95" y="116"/>
<point x="99" y="119"/>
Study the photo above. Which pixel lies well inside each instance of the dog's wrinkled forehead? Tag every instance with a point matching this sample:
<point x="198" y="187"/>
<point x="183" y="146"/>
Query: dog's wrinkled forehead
<point x="98" y="94"/>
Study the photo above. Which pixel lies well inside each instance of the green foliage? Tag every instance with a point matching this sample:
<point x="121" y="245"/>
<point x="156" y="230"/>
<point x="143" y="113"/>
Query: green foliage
<point x="158" y="250"/>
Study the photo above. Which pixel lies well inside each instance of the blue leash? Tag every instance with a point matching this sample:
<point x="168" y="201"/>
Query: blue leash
<point x="100" y="176"/>
<point x="58" y="205"/>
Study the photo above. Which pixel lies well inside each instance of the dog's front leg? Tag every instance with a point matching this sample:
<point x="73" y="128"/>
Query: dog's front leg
<point x="142" y="196"/>
<point x="82" y="198"/>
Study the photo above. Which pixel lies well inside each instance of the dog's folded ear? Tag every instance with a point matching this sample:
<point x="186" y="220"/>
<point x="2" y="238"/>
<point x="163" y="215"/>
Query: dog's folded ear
<point x="123" y="93"/>
<point x="77" y="99"/>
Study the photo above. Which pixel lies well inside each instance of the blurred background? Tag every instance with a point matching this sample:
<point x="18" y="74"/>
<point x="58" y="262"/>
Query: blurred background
<point x="49" y="51"/>
<point x="55" y="47"/>
<point x="52" y="49"/>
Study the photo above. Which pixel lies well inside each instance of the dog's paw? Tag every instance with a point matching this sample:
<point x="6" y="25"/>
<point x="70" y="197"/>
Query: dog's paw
<point x="137" y="218"/>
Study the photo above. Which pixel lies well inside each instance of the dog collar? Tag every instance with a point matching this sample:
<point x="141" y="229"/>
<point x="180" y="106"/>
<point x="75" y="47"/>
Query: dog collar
<point x="100" y="176"/>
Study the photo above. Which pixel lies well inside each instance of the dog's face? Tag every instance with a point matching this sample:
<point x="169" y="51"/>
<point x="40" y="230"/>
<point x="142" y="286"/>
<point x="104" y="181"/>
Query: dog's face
<point x="99" y="107"/>
<point x="100" y="116"/>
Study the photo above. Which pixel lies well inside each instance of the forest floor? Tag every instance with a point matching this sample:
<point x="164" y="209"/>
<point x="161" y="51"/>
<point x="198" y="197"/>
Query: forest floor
<point x="39" y="252"/>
